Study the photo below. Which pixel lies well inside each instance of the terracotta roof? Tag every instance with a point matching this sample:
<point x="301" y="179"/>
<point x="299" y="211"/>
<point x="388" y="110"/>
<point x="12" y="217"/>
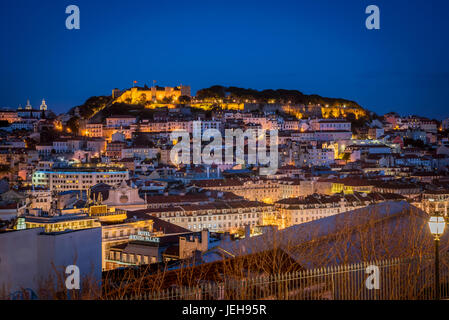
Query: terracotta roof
<point x="158" y="224"/>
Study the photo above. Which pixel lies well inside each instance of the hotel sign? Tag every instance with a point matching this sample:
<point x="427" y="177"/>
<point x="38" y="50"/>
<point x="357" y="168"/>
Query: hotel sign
<point x="144" y="236"/>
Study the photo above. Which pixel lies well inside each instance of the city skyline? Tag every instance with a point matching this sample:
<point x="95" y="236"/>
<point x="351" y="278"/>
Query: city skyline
<point x="232" y="151"/>
<point x="300" y="46"/>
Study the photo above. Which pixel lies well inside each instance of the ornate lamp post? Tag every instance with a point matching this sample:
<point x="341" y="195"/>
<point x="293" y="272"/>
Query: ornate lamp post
<point x="437" y="225"/>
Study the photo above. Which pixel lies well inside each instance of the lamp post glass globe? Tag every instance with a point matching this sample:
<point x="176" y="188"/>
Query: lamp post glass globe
<point x="437" y="225"/>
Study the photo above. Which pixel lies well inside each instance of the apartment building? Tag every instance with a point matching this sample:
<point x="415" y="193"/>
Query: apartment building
<point x="217" y="216"/>
<point x="330" y="125"/>
<point x="114" y="234"/>
<point x="77" y="179"/>
<point x="114" y="149"/>
<point x="139" y="152"/>
<point x="263" y="190"/>
<point x="295" y="211"/>
<point x="147" y="248"/>
<point x="120" y="121"/>
<point x="94" y="130"/>
<point x="433" y="201"/>
<point x="406" y="189"/>
<point x="319" y="156"/>
<point x="67" y="145"/>
<point x="61" y="223"/>
<point x="10" y="116"/>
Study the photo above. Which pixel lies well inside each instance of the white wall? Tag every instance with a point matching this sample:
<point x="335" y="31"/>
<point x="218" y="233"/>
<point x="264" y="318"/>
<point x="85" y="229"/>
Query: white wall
<point x="26" y="256"/>
<point x="18" y="257"/>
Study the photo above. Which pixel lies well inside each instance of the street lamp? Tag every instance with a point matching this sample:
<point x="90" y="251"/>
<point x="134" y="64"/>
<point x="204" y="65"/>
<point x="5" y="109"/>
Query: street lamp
<point x="437" y="225"/>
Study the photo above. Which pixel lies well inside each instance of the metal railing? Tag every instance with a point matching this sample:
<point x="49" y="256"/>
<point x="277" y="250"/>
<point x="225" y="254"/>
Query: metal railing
<point x="398" y="279"/>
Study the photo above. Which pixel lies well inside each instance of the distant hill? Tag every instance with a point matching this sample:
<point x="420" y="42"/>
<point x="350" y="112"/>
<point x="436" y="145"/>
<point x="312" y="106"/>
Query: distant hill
<point x="279" y="95"/>
<point x="92" y="106"/>
<point x="99" y="107"/>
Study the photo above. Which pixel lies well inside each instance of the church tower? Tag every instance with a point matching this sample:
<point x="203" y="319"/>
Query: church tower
<point x="43" y="105"/>
<point x="28" y="106"/>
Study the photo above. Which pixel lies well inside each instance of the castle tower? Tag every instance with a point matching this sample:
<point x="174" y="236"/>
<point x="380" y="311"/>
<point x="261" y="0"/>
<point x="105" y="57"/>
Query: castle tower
<point x="115" y="93"/>
<point x="185" y="91"/>
<point x="28" y="106"/>
<point x="43" y="105"/>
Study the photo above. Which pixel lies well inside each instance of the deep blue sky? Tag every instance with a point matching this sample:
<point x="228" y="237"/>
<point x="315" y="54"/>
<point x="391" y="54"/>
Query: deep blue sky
<point x="319" y="46"/>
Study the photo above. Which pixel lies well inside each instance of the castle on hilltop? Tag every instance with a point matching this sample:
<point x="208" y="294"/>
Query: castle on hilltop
<point x="137" y="95"/>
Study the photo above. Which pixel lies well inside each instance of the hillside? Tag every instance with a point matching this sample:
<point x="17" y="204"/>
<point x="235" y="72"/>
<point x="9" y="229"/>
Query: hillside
<point x="265" y="96"/>
<point x="98" y="108"/>
<point x="92" y="106"/>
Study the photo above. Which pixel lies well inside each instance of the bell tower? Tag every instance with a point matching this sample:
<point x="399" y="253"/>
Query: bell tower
<point x="43" y="106"/>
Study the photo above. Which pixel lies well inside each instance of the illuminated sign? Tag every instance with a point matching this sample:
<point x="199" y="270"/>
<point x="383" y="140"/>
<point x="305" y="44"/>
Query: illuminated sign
<point x="21" y="224"/>
<point x="144" y="236"/>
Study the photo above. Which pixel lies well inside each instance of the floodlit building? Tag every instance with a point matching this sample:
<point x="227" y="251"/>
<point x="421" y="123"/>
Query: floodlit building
<point x="122" y="196"/>
<point x="78" y="178"/>
<point x="216" y="216"/>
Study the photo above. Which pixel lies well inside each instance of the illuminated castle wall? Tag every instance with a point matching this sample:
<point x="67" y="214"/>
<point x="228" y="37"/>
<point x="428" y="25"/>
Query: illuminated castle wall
<point x="153" y="94"/>
<point x="326" y="112"/>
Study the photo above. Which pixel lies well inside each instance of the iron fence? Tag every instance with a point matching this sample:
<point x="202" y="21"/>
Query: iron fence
<point x="397" y="279"/>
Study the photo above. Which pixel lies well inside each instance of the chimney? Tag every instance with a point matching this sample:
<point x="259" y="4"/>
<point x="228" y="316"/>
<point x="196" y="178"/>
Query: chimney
<point x="182" y="246"/>
<point x="247" y="231"/>
<point x="204" y="240"/>
<point x="197" y="257"/>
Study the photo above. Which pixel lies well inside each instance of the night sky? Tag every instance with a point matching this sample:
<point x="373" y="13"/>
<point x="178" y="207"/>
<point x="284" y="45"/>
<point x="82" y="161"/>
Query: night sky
<point x="319" y="46"/>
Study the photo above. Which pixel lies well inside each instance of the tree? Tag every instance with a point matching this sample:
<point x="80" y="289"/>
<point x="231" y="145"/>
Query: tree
<point x="30" y="143"/>
<point x="143" y="98"/>
<point x="184" y="99"/>
<point x="414" y="143"/>
<point x="167" y="100"/>
<point x="73" y="124"/>
<point x="214" y="92"/>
